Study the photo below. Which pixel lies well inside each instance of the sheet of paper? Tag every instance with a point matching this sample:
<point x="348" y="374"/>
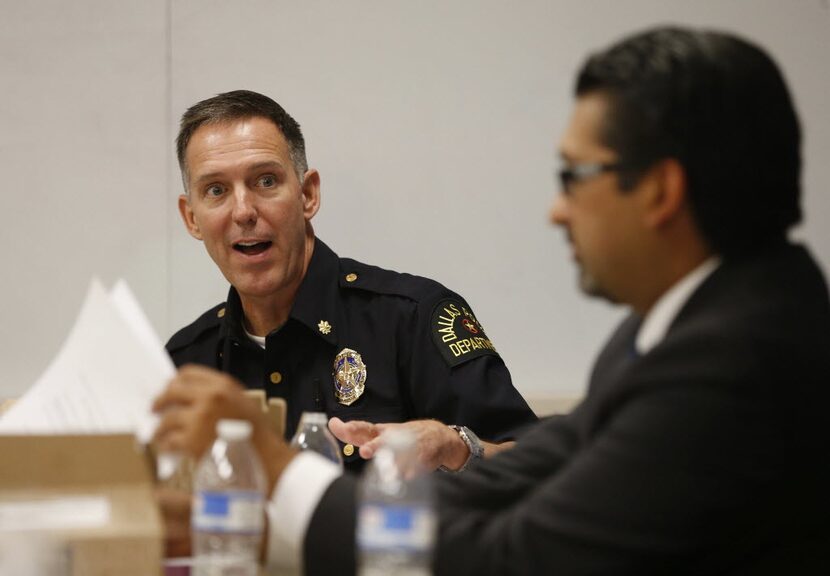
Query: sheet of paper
<point x="104" y="377"/>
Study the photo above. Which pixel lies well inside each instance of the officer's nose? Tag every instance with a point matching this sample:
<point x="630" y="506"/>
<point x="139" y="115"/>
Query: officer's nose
<point x="244" y="207"/>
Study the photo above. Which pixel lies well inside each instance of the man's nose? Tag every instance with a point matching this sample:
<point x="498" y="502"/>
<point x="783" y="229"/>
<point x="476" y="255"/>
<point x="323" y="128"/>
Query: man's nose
<point x="244" y="206"/>
<point x="558" y="214"/>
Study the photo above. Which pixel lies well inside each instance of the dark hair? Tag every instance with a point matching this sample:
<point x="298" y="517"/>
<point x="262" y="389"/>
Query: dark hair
<point x="720" y="106"/>
<point x="237" y="105"/>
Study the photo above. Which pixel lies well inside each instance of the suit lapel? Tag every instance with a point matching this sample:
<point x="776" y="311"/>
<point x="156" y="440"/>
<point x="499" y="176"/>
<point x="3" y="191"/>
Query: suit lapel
<point x="616" y="357"/>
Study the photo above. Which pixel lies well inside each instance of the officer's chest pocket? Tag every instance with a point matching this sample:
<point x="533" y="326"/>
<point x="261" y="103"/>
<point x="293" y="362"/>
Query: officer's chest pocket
<point x="374" y="394"/>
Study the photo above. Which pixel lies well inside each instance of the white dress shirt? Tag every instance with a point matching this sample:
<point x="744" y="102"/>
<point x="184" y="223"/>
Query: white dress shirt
<point x="295" y="497"/>
<point x="662" y="314"/>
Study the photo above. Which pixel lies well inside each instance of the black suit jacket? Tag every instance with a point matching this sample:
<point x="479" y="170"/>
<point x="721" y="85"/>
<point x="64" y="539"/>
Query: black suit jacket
<point x="707" y="455"/>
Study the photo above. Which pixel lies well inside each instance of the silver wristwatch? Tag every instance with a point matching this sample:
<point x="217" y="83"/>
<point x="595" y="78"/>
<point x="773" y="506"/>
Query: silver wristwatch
<point x="473" y="444"/>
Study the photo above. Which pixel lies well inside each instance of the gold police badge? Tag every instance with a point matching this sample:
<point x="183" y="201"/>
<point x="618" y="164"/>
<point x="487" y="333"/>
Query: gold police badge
<point x="349" y="376"/>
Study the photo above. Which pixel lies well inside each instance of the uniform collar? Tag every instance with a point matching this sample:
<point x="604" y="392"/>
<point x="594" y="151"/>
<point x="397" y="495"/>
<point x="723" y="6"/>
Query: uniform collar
<point x="316" y="305"/>
<point x="232" y="319"/>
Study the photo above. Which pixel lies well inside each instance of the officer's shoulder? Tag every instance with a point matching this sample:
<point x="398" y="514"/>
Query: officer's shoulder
<point x="455" y="330"/>
<point x="203" y="325"/>
<point x="360" y="276"/>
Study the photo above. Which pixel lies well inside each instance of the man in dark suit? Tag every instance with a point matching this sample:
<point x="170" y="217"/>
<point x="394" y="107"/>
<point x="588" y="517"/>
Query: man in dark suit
<point x="700" y="447"/>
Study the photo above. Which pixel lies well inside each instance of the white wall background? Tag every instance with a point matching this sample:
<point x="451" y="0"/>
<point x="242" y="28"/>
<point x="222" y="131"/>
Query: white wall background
<point x="433" y="124"/>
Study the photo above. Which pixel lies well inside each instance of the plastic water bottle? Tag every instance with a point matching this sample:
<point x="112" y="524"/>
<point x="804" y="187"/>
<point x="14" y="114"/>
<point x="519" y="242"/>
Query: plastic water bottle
<point x="313" y="434"/>
<point x="229" y="504"/>
<point x="396" y="522"/>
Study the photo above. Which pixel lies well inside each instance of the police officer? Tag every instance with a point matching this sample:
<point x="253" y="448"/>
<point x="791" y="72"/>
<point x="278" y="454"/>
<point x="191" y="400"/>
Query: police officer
<point x="326" y="333"/>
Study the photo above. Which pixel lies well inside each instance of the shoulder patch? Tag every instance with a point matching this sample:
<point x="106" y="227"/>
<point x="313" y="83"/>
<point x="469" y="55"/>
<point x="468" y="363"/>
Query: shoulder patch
<point x="457" y="334"/>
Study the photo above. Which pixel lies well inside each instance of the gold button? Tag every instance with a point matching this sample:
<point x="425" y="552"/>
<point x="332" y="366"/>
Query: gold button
<point x="348" y="449"/>
<point x="351" y="277"/>
<point x="221" y="312"/>
<point x="276" y="377"/>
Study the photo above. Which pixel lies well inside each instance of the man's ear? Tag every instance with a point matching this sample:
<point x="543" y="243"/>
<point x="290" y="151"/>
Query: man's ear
<point x="311" y="193"/>
<point x="669" y="194"/>
<point x="189" y="219"/>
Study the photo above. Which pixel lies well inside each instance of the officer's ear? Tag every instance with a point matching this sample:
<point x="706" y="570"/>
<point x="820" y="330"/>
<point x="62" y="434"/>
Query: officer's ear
<point x="311" y="193"/>
<point x="189" y="219"/>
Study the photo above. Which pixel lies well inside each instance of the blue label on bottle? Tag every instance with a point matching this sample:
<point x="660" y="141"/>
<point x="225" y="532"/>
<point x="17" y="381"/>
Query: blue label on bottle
<point x="398" y="518"/>
<point x="215" y="503"/>
<point x="402" y="527"/>
<point x="241" y="511"/>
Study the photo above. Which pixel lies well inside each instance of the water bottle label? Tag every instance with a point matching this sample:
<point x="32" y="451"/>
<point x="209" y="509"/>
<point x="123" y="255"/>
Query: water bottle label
<point x="239" y="511"/>
<point x="381" y="527"/>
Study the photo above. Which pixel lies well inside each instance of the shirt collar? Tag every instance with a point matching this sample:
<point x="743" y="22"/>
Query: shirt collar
<point x="665" y="310"/>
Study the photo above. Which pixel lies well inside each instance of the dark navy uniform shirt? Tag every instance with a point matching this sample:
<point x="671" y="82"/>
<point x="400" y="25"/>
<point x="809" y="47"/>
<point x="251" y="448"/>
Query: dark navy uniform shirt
<point x="424" y="352"/>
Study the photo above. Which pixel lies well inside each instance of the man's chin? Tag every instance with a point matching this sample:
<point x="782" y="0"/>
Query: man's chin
<point x="266" y="286"/>
<point x="591" y="287"/>
<point x="256" y="287"/>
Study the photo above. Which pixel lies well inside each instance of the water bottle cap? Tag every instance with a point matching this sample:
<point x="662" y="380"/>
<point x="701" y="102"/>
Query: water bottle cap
<point x="233" y="429"/>
<point x="320" y="418"/>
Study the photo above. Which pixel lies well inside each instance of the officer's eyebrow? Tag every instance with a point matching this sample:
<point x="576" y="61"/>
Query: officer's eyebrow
<point x="204" y="177"/>
<point x="267" y="165"/>
<point x="259" y="166"/>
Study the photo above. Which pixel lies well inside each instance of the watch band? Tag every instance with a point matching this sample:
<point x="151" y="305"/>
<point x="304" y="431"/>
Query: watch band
<point x="473" y="445"/>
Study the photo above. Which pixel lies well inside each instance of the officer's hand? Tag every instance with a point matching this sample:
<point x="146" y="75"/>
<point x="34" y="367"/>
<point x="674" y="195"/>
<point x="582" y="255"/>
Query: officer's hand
<point x="437" y="443"/>
<point x="195" y="400"/>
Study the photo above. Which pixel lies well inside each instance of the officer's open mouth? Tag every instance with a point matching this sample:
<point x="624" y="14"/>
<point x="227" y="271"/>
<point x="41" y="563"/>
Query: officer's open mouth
<point x="251" y="248"/>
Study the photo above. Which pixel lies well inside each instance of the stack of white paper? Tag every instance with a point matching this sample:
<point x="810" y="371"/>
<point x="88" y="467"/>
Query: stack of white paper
<point x="103" y="379"/>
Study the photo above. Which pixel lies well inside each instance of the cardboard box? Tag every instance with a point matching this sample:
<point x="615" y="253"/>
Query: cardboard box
<point x="92" y="494"/>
